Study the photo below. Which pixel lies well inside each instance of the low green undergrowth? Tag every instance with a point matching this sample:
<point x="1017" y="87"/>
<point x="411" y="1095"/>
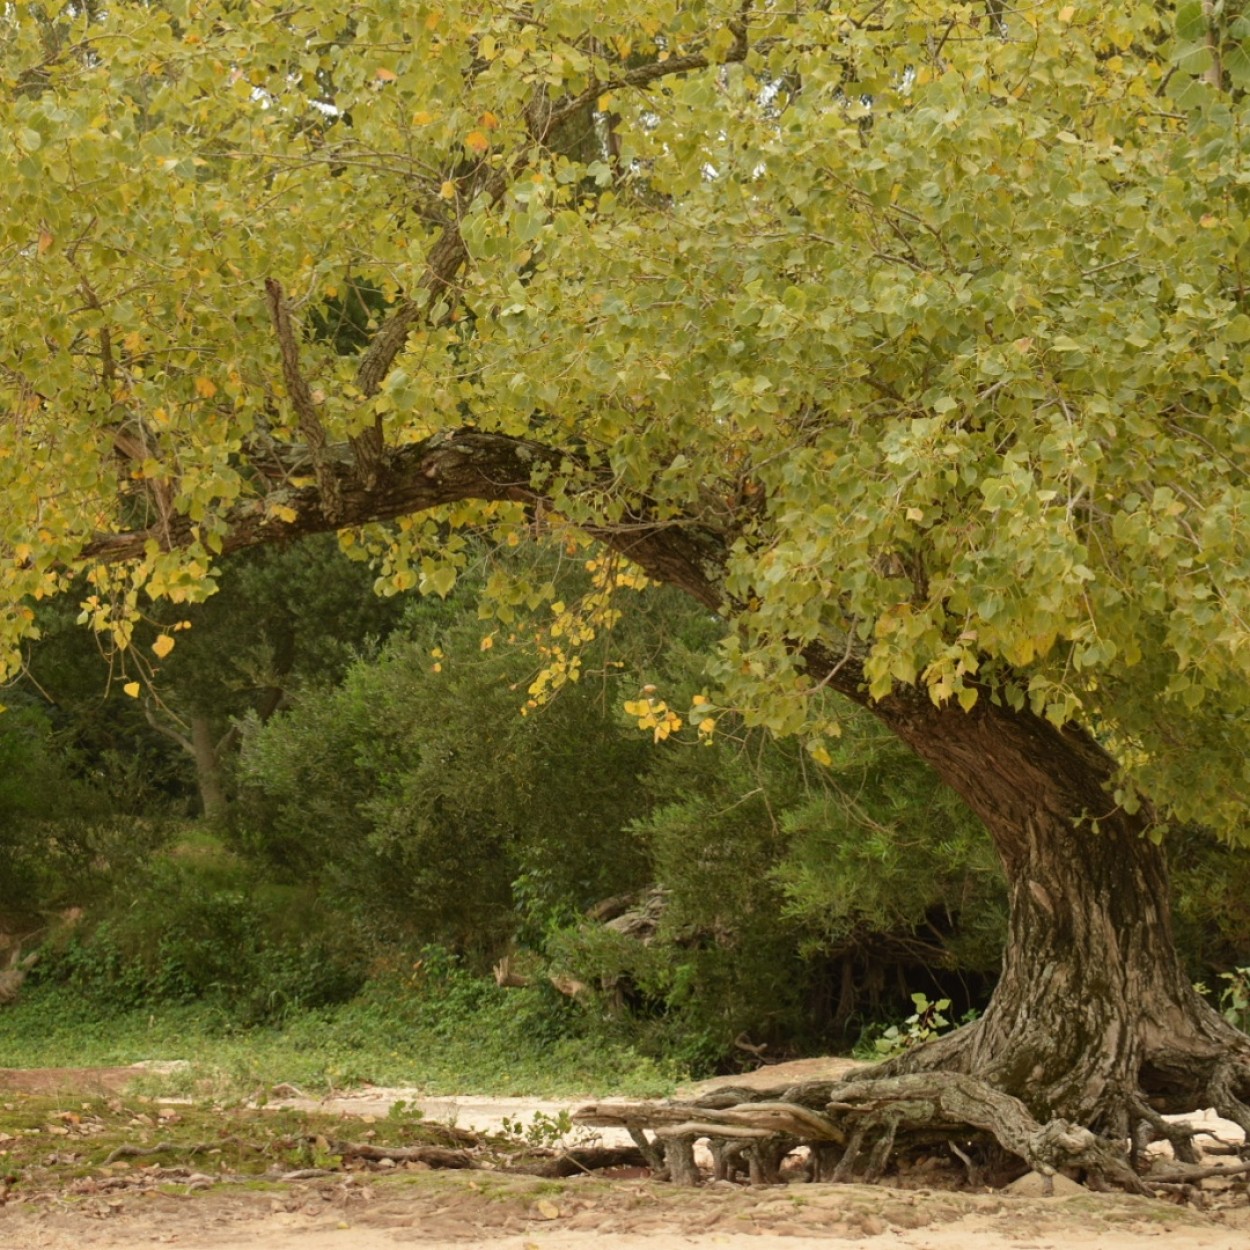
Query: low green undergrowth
<point x="464" y="1035"/>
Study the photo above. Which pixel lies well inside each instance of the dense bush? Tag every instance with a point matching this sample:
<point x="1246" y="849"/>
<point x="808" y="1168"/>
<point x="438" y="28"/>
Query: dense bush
<point x="61" y="841"/>
<point x="415" y="792"/>
<point x="193" y="924"/>
<point x="802" y="901"/>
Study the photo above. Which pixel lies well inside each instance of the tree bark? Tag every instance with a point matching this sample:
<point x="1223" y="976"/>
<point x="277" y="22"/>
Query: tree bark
<point x="1093" y="1018"/>
<point x="213" y="796"/>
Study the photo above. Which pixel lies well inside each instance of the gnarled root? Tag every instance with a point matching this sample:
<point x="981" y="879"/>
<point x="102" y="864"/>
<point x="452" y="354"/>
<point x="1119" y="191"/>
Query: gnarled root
<point x="863" y="1123"/>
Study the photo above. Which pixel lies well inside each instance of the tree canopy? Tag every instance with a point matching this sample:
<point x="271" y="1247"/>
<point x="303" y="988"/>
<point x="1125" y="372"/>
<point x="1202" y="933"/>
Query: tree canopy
<point x="926" y="319"/>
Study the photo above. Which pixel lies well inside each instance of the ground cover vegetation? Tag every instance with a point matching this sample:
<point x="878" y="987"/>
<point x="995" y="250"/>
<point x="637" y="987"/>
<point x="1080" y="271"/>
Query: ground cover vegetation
<point x="117" y="1147"/>
<point x="381" y="847"/>
<point x="904" y="339"/>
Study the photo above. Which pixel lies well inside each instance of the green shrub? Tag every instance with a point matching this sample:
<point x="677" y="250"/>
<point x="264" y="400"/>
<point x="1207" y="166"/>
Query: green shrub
<point x="422" y="799"/>
<point x="194" y="925"/>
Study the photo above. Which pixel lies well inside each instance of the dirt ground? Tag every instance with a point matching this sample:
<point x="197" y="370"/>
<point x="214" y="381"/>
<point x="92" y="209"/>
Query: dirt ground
<point x="415" y="1207"/>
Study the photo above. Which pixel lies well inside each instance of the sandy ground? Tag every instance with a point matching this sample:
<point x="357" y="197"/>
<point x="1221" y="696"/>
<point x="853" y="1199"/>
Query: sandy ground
<point x="443" y="1211"/>
<point x="420" y="1208"/>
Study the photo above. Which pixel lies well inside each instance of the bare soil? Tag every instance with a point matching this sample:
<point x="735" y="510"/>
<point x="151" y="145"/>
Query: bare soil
<point x="140" y="1205"/>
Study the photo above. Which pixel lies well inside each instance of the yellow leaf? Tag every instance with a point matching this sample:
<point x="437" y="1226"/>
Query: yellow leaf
<point x="699" y="700"/>
<point x="817" y="751"/>
<point x="46" y="240"/>
<point x="1067" y="13"/>
<point x="548" y="1210"/>
<point x="132" y="689"/>
<point x="283" y="512"/>
<point x="605" y="103"/>
<point x="967" y="698"/>
<point x="422" y="117"/>
<point x="487" y="642"/>
<point x="707" y="726"/>
<point x="205" y="387"/>
<point x="488" y="121"/>
<point x="163" y="645"/>
<point x="382" y="74"/>
<point x="476" y="141"/>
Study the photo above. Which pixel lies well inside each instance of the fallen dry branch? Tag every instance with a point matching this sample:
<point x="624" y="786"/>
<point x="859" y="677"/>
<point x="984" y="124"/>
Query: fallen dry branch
<point x="535" y="1161"/>
<point x="173" y="1147"/>
<point x="1187" y="1173"/>
<point x="578" y="1161"/>
<point x="433" y="1156"/>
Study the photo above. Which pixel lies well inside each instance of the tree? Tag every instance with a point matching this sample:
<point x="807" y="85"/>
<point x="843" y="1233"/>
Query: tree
<point x="414" y="794"/>
<point x="906" y="337"/>
<point x="285" y="617"/>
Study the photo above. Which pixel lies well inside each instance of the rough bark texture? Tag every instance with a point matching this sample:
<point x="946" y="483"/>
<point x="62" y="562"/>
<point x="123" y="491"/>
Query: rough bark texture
<point x="1093" y="1014"/>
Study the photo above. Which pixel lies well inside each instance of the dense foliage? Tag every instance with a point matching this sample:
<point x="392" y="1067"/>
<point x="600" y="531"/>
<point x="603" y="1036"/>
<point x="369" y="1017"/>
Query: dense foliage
<point x="408" y="816"/>
<point x="961" y="301"/>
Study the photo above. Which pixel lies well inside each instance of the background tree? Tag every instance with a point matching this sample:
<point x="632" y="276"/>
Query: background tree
<point x="285" y="617"/>
<point x="906" y="338"/>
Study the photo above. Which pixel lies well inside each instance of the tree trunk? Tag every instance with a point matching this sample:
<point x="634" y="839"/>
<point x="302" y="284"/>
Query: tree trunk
<point x="208" y="769"/>
<point x="1093" y="1019"/>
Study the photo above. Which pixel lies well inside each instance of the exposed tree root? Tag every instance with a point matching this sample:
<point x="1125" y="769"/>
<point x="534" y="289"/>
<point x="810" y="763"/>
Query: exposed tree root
<point x="854" y="1128"/>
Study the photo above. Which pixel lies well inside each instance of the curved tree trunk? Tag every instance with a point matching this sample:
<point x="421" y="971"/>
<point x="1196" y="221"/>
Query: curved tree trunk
<point x="1093" y="1019"/>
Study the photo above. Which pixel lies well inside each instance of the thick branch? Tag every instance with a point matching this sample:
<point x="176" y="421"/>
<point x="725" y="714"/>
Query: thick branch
<point x="301" y="397"/>
<point x="444" y="469"/>
<point x="645" y="75"/>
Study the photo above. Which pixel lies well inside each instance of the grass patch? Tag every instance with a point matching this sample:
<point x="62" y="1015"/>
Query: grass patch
<point x="50" y="1142"/>
<point x="477" y="1039"/>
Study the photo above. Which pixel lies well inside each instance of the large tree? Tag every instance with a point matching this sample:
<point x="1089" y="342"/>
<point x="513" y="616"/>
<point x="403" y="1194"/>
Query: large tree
<point x="906" y="335"/>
